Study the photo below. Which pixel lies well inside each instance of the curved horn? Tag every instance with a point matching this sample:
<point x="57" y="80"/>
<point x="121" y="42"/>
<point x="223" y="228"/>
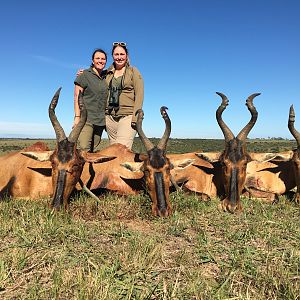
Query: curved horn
<point x="163" y="141"/>
<point x="147" y="143"/>
<point x="60" y="134"/>
<point x="245" y="131"/>
<point x="74" y="134"/>
<point x="292" y="129"/>
<point x="228" y="135"/>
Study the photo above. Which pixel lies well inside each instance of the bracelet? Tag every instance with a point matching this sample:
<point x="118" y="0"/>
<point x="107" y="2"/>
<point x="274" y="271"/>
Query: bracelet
<point x="76" y="116"/>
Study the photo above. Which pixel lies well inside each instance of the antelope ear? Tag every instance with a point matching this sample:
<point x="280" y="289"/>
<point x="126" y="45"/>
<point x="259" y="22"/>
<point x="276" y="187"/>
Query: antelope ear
<point x="38" y="155"/>
<point x="209" y="156"/>
<point x="133" y="166"/>
<point x="95" y="157"/>
<point x="264" y="157"/>
<point x="182" y="163"/>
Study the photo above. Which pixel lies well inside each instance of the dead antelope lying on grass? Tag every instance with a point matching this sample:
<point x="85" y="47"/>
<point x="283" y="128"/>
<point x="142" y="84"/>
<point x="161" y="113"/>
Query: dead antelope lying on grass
<point x="234" y="158"/>
<point x="66" y="160"/>
<point x="157" y="166"/>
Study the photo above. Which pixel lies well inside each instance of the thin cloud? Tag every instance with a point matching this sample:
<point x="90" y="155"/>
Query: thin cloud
<point x="55" y="62"/>
<point x="19" y="129"/>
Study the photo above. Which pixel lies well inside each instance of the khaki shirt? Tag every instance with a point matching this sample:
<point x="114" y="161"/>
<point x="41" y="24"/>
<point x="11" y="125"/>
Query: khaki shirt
<point x="95" y="94"/>
<point x="132" y="94"/>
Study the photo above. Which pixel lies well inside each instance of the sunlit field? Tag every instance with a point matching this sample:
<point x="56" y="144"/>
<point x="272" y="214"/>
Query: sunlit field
<point x="114" y="248"/>
<point x="174" y="145"/>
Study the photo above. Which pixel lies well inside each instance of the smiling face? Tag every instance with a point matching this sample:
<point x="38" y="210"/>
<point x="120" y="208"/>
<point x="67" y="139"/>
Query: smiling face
<point x="99" y="60"/>
<point x="120" y="57"/>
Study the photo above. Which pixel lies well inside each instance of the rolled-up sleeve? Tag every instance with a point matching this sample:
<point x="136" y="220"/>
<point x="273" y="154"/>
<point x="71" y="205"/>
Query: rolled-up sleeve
<point x="81" y="81"/>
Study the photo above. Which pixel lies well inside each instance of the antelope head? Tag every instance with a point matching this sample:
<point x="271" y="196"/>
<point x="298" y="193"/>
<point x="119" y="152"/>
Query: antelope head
<point x="234" y="158"/>
<point x="67" y="161"/>
<point x="156" y="166"/>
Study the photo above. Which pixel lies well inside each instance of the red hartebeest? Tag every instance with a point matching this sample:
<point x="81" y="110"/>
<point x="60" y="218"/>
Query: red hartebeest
<point x="196" y="175"/>
<point x="157" y="166"/>
<point x="29" y="178"/>
<point x="291" y="160"/>
<point x="270" y="178"/>
<point x="23" y="177"/>
<point x="112" y="175"/>
<point x="234" y="158"/>
<point x="66" y="160"/>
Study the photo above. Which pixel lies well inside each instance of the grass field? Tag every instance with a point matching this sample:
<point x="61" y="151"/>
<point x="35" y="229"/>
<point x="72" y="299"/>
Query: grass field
<point x="174" y="145"/>
<point x="115" y="249"/>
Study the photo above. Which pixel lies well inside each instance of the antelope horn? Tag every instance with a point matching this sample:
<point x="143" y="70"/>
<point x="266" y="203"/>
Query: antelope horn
<point x="228" y="135"/>
<point x="163" y="141"/>
<point x="147" y="143"/>
<point x="74" y="134"/>
<point x="60" y="134"/>
<point x="245" y="131"/>
<point x="292" y="129"/>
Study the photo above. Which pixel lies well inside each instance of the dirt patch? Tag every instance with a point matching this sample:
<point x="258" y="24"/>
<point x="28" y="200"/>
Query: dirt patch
<point x="140" y="226"/>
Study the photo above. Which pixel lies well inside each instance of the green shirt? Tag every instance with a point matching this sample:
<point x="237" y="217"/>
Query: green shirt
<point x="95" y="93"/>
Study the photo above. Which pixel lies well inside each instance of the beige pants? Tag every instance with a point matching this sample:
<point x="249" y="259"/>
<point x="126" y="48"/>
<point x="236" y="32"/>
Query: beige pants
<point x="119" y="130"/>
<point x="90" y="137"/>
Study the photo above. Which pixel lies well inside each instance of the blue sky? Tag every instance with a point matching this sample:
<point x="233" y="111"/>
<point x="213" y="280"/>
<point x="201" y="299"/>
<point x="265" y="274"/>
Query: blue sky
<point x="185" y="50"/>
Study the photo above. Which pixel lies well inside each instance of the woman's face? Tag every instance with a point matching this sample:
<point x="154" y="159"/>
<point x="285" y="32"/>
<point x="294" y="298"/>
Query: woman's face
<point x="120" y="57"/>
<point x="99" y="60"/>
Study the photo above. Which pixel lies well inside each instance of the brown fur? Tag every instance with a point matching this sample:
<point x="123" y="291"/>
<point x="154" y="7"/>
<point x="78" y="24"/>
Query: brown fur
<point x="28" y="178"/>
<point x="296" y="168"/>
<point x="200" y="176"/>
<point x="111" y="175"/>
<point x="23" y="177"/>
<point x="273" y="177"/>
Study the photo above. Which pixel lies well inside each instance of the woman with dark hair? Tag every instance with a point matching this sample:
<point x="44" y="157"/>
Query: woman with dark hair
<point x="91" y="82"/>
<point x="126" y="95"/>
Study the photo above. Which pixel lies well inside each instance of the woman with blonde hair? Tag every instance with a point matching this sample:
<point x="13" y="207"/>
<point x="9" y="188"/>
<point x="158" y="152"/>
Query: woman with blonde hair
<point x="126" y="95"/>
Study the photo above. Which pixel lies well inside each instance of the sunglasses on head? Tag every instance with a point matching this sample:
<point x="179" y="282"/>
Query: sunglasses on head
<point x="119" y="44"/>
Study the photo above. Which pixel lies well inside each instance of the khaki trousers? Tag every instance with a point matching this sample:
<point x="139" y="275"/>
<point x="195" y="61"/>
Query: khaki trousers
<point x="90" y="137"/>
<point x="119" y="130"/>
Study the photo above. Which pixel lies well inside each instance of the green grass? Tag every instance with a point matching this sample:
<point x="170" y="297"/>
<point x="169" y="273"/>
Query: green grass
<point x="115" y="249"/>
<point x="174" y="145"/>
